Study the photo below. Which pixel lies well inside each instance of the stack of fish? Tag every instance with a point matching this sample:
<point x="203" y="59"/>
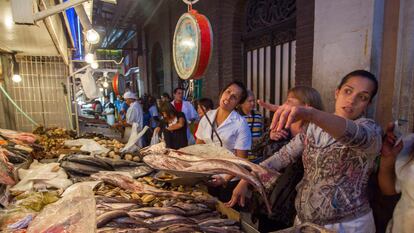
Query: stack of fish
<point x="130" y="204"/>
<point x="79" y="165"/>
<point x="214" y="163"/>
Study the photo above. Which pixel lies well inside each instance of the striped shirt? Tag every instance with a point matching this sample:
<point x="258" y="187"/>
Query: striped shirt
<point x="255" y="122"/>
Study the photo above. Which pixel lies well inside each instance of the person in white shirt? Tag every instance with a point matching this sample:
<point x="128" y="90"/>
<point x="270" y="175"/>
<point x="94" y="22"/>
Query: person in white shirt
<point x="232" y="129"/>
<point x="133" y="115"/>
<point x="396" y="172"/>
<point x="109" y="111"/>
<point x="187" y="108"/>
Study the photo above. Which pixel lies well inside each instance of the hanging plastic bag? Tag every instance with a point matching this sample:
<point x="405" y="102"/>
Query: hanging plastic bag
<point x="134" y="141"/>
<point x="155" y="139"/>
<point x="89" y="86"/>
<point x="75" y="212"/>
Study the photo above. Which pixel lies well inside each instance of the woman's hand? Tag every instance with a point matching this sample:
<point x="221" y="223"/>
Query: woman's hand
<point x="239" y="194"/>
<point x="389" y="150"/>
<point x="285" y="115"/>
<point x="279" y="135"/>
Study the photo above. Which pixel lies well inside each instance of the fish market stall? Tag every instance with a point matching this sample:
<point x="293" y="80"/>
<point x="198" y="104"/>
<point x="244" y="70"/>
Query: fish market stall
<point x="89" y="182"/>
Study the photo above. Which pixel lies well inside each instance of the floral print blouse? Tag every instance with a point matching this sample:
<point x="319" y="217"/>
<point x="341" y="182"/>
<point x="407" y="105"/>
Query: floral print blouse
<point x="336" y="171"/>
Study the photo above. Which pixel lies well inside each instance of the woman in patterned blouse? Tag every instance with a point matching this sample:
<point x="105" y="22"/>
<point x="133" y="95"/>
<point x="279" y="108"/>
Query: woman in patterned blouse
<point x="338" y="152"/>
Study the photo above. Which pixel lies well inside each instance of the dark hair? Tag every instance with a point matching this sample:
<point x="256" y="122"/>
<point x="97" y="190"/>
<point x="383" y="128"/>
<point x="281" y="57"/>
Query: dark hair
<point x="206" y="103"/>
<point x="106" y="97"/>
<point x="307" y="95"/>
<point x="166" y="95"/>
<point x="168" y="108"/>
<point x="362" y="73"/>
<point x="239" y="84"/>
<point x="178" y="88"/>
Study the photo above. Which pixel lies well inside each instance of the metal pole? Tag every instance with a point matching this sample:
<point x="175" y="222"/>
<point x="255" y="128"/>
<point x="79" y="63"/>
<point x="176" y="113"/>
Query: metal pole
<point x="56" y="9"/>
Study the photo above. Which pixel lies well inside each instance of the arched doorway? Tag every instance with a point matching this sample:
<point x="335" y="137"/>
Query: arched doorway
<point x="157" y="62"/>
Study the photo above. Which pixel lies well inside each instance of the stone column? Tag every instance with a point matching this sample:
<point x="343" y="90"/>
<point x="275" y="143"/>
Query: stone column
<point x="403" y="101"/>
<point x="345" y="39"/>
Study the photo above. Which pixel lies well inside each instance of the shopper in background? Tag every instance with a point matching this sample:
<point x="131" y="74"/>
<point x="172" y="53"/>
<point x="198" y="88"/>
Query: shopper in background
<point x="187" y="108"/>
<point x="121" y="107"/>
<point x="284" y="192"/>
<point x="153" y="110"/>
<point x="203" y="106"/>
<point x="97" y="108"/>
<point x="338" y="152"/>
<point x="173" y="127"/>
<point x="233" y="133"/>
<point x="254" y="118"/>
<point x="109" y="111"/>
<point x="165" y="97"/>
<point x="395" y="175"/>
<point x="133" y="115"/>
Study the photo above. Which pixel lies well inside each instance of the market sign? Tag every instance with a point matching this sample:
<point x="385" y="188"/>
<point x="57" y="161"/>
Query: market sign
<point x="192" y="45"/>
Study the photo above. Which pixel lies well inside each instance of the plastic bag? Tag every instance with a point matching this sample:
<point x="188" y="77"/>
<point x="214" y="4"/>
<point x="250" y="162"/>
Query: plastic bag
<point x="75" y="212"/>
<point x="89" y="86"/>
<point x="88" y="145"/>
<point x="40" y="176"/>
<point x="15" y="219"/>
<point x="134" y="141"/>
<point x="155" y="139"/>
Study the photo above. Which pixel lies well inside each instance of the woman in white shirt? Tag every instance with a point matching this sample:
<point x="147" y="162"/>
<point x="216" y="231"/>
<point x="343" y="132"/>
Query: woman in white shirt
<point x="396" y="173"/>
<point x="232" y="129"/>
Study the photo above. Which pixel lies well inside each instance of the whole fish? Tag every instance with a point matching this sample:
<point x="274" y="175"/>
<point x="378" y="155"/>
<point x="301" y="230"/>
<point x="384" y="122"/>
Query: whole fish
<point x="103" y="199"/>
<point x="79" y="168"/>
<point x="208" y="166"/>
<point x="136" y="172"/>
<point x="120" y="162"/>
<point x="126" y="230"/>
<point x="157" y="148"/>
<point x="266" y="175"/>
<point x="168" y="219"/>
<point x="127" y="222"/>
<point x="130" y="184"/>
<point x="205" y="216"/>
<point x="223" y="229"/>
<point x="161" y="210"/>
<point x="6" y="169"/>
<point x="95" y="161"/>
<point x="192" y="209"/>
<point x="160" y="161"/>
<point x="139" y="214"/>
<point x="217" y="222"/>
<point x="118" y="206"/>
<point x="226" y="167"/>
<point x="180" y="228"/>
<point x="105" y="218"/>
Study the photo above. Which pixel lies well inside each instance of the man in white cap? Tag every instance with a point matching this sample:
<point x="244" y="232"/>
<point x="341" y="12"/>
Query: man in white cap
<point x="133" y="115"/>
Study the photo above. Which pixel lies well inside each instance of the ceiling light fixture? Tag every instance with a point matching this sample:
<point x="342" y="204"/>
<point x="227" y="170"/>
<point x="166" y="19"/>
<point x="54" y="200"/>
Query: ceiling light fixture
<point x="92" y="36"/>
<point x="94" y="65"/>
<point x="105" y="84"/>
<point x="89" y="58"/>
<point x="16" y="76"/>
